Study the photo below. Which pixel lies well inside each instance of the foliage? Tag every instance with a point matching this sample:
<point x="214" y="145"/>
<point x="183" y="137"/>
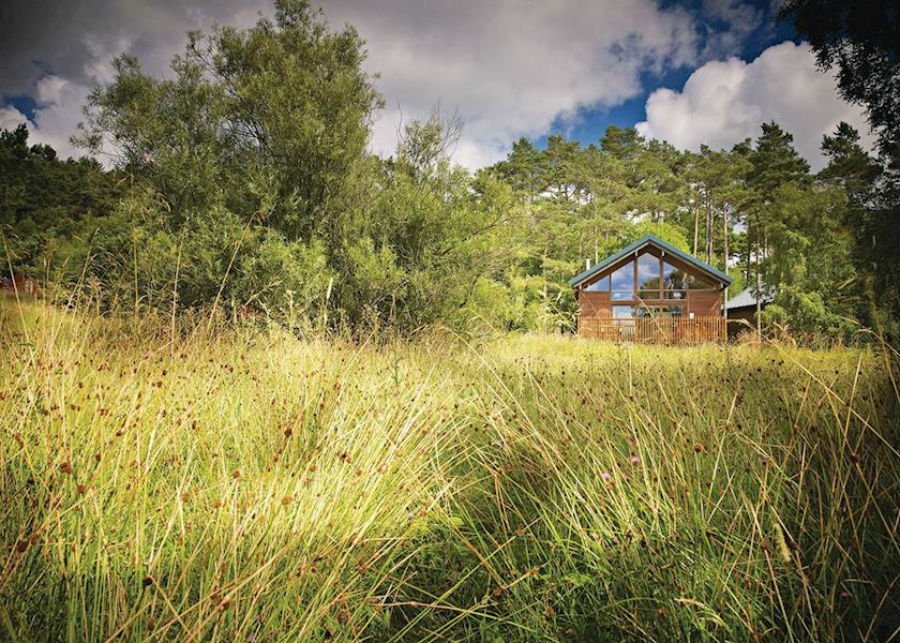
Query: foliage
<point x="44" y="201"/>
<point x="860" y="42"/>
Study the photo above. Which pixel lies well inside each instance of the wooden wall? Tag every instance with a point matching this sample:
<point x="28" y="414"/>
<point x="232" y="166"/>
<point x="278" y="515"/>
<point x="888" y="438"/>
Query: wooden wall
<point x="594" y="304"/>
<point x="704" y="303"/>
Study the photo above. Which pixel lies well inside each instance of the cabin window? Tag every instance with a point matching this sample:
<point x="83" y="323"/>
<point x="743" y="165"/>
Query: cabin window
<point x="622" y="282"/>
<point x="675" y="282"/>
<point x="648" y="277"/>
<point x="702" y="283"/>
<point x="619" y="312"/>
<point x="601" y="285"/>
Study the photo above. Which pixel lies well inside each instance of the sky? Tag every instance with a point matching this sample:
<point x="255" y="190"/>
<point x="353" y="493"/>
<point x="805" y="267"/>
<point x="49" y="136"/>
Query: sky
<point x="691" y="73"/>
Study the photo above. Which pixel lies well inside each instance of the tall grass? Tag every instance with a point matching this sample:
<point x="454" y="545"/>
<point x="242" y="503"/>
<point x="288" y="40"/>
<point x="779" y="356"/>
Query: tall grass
<point x="247" y="486"/>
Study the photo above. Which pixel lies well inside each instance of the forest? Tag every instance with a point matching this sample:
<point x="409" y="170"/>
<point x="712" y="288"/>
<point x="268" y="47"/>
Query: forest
<point x="244" y="182"/>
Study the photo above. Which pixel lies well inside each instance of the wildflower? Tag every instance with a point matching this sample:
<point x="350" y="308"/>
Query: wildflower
<point x="699" y="448"/>
<point x="66" y="467"/>
<point x="634" y="459"/>
<point x="236" y="474"/>
<point x="606" y="476"/>
<point x="287" y="500"/>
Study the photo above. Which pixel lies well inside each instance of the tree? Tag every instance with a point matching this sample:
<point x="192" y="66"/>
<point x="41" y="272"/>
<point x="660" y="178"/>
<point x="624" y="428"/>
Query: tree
<point x="259" y="138"/>
<point x="861" y="39"/>
<point x="44" y="201"/>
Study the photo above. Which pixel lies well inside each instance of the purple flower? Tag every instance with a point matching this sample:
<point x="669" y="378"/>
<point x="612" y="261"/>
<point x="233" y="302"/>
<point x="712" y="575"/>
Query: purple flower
<point x="635" y="459"/>
<point x="606" y="475"/>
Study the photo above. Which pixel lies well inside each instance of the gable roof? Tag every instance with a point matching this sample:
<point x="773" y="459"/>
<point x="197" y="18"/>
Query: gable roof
<point x="746" y="299"/>
<point x="662" y="245"/>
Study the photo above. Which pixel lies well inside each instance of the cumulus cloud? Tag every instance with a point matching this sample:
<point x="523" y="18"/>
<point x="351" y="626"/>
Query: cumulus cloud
<point x="55" y="52"/>
<point x="511" y="69"/>
<point x="724" y="102"/>
<point x="507" y="68"/>
<point x="11" y="118"/>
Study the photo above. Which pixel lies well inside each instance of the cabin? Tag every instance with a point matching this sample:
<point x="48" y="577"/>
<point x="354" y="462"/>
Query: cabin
<point x="19" y="285"/>
<point x="652" y="292"/>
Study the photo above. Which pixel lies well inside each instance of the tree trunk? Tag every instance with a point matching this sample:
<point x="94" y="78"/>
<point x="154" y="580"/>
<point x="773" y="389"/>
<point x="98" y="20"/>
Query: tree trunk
<point x="725" y="269"/>
<point x="696" y="230"/>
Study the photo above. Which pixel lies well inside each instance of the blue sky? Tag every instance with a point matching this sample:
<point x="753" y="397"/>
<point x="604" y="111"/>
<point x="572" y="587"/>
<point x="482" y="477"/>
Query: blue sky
<point x="692" y="73"/>
<point x="591" y="122"/>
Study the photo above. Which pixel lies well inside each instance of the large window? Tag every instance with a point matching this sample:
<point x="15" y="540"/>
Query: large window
<point x="649" y="286"/>
<point x="701" y="283"/>
<point x="601" y="285"/>
<point x="648" y="277"/>
<point x="675" y="282"/>
<point x="622" y="283"/>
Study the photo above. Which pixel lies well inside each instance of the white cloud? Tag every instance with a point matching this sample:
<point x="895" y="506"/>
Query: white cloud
<point x="11" y="118"/>
<point x="55" y="52"/>
<point x="507" y="68"/>
<point x="54" y="119"/>
<point x="724" y="102"/>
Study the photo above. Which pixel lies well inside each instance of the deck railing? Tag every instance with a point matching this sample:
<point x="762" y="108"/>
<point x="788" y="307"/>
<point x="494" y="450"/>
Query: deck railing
<point x="654" y="330"/>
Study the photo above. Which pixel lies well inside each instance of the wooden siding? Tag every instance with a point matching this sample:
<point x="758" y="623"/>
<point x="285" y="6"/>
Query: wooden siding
<point x="594" y="304"/>
<point x="654" y="330"/>
<point x="704" y="303"/>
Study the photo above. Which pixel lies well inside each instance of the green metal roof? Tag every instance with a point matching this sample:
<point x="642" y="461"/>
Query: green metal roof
<point x="747" y="299"/>
<point x="662" y="245"/>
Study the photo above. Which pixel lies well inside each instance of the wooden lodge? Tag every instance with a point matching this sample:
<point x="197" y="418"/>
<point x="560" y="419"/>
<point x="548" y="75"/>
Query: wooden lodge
<point x="651" y="292"/>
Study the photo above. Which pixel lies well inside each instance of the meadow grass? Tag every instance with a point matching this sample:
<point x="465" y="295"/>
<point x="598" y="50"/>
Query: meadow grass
<point x="243" y="485"/>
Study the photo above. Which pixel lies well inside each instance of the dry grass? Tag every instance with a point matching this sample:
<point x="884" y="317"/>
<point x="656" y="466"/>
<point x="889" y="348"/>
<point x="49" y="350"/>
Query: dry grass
<point x="246" y="486"/>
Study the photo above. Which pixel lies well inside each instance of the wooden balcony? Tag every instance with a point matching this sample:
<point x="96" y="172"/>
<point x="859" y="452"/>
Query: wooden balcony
<point x="677" y="331"/>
